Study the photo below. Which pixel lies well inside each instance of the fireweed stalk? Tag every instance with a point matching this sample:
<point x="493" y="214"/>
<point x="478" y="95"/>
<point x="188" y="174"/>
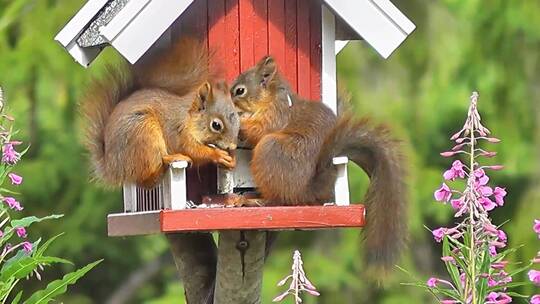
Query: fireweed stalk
<point x="474" y="249"/>
<point x="20" y="258"/>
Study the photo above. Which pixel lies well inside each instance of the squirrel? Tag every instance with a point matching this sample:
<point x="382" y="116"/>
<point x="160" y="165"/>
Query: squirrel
<point x="141" y="119"/>
<point x="294" y="142"/>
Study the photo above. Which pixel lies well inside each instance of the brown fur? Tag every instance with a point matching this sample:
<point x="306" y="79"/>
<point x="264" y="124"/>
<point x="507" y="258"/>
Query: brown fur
<point x="140" y="120"/>
<point x="294" y="148"/>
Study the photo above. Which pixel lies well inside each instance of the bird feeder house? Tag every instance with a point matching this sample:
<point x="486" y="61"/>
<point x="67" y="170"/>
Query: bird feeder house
<point x="304" y="37"/>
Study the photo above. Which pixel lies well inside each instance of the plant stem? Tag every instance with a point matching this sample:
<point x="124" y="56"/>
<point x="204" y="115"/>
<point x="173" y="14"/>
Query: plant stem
<point x="472" y="258"/>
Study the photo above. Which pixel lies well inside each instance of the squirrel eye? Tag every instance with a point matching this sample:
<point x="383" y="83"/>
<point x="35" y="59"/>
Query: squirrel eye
<point x="216" y="125"/>
<point x="240" y="91"/>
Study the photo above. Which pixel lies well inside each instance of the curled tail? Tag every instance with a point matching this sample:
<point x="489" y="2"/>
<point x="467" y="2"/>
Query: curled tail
<point x="101" y="98"/>
<point x="180" y="69"/>
<point x="373" y="149"/>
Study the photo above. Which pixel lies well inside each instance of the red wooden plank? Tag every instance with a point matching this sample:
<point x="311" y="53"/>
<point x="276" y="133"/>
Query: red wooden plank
<point x="193" y="22"/>
<point x="217" y="34"/>
<point x="276" y="31"/>
<point x="262" y="218"/>
<point x="260" y="29"/>
<point x="304" y="49"/>
<point x="247" y="20"/>
<point x="290" y="68"/>
<point x="316" y="50"/>
<point x="232" y="41"/>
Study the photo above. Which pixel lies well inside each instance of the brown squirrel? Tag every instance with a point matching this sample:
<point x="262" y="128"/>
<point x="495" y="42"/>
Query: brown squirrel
<point x="294" y="145"/>
<point x="164" y="110"/>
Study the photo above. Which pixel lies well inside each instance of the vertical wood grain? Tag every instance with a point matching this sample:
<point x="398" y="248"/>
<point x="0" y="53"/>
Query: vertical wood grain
<point x="304" y="50"/>
<point x="247" y="34"/>
<point x="316" y="51"/>
<point x="232" y="40"/>
<point x="276" y="31"/>
<point x="260" y="29"/>
<point x="290" y="68"/>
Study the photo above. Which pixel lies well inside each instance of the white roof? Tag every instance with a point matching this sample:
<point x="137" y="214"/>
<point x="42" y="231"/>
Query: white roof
<point x="141" y="22"/>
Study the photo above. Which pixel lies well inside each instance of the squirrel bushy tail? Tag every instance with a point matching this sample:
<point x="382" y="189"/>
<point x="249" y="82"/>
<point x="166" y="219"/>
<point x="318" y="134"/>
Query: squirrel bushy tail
<point x="373" y="149"/>
<point x="97" y="105"/>
<point x="180" y="70"/>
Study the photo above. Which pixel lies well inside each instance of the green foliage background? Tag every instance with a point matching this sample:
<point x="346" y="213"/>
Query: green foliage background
<point x="421" y="91"/>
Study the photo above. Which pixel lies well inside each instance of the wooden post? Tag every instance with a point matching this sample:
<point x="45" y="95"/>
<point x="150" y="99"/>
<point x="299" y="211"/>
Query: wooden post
<point x="195" y="258"/>
<point x="241" y="256"/>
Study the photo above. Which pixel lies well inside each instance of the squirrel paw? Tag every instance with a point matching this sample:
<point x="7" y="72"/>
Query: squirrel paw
<point x="168" y="159"/>
<point x="236" y="200"/>
<point x="224" y="158"/>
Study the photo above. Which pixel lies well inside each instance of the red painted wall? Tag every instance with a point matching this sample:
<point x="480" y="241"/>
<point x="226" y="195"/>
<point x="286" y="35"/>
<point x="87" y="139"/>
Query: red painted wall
<point x="241" y="32"/>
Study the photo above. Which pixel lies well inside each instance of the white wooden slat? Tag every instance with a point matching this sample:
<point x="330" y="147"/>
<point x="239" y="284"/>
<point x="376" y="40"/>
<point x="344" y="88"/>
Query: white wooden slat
<point x="341" y="187"/>
<point x="123" y="18"/>
<point x="141" y="32"/>
<point x="380" y="24"/>
<point x="174" y="186"/>
<point x="77" y="24"/>
<point x="397" y="16"/>
<point x="130" y="197"/>
<point x="328" y="76"/>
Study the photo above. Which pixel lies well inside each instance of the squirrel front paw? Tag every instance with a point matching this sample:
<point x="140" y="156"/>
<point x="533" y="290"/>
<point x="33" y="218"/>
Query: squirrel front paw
<point x="223" y="158"/>
<point x="169" y="159"/>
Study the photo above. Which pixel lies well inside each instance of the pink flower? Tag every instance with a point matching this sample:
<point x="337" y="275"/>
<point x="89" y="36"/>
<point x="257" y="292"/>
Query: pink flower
<point x="449" y="301"/>
<point x="438" y="234"/>
<point x="499" y="265"/>
<point x="481" y="178"/>
<point x="485" y="191"/>
<point x="27" y="246"/>
<point x="498" y="298"/>
<point x="432" y="282"/>
<point x="491" y="282"/>
<point x="9" y="155"/>
<point x="443" y="194"/>
<point x="13" y="203"/>
<point x="455" y="171"/>
<point x="21" y="232"/>
<point x="499" y="194"/>
<point x="535" y="299"/>
<point x="536" y="227"/>
<point x="502" y="236"/>
<point x="15" y="179"/>
<point x="448" y="259"/>
<point x="492" y="250"/>
<point x="457" y="203"/>
<point x="487" y="203"/>
<point x="534" y="276"/>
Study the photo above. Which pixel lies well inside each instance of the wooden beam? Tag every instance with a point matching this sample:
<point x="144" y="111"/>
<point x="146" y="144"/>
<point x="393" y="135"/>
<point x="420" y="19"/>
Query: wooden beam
<point x="262" y="218"/>
<point x="135" y="223"/>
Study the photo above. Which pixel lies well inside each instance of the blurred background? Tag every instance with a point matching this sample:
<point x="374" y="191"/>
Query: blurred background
<point x="422" y="91"/>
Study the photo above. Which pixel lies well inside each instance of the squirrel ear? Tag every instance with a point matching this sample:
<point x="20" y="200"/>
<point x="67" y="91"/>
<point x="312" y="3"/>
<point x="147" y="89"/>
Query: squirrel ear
<point x="204" y="95"/>
<point x="267" y="70"/>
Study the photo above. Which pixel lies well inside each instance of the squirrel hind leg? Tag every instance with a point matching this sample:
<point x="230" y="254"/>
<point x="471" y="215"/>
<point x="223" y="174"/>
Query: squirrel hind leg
<point x="138" y="150"/>
<point x="282" y="170"/>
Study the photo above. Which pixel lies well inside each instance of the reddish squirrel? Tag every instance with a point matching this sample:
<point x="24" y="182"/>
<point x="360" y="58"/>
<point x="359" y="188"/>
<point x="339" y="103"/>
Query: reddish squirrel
<point x="142" y="119"/>
<point x="294" y="145"/>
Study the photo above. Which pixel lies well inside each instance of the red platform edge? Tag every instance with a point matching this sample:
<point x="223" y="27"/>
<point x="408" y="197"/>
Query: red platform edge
<point x="262" y="218"/>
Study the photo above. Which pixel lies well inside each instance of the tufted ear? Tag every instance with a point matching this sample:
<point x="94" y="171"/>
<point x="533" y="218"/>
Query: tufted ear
<point x="204" y="96"/>
<point x="266" y="69"/>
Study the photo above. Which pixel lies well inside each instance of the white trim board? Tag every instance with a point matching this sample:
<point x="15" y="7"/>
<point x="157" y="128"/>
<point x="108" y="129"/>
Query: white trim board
<point x="379" y="22"/>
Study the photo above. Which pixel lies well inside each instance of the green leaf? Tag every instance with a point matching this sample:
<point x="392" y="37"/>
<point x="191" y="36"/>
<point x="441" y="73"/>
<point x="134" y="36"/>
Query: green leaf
<point x="27" y="221"/>
<point x="26" y="265"/>
<point x="17" y="298"/>
<point x="40" y="250"/>
<point x="59" y="287"/>
<point x="450" y="266"/>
